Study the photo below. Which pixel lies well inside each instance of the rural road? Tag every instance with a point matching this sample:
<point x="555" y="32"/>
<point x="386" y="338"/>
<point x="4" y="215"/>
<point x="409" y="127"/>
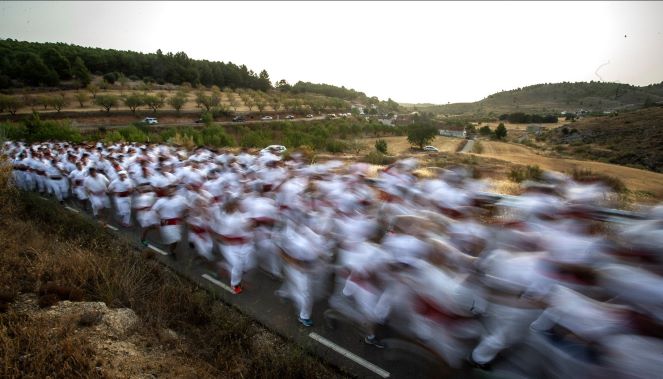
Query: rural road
<point x="468" y="146"/>
<point x="341" y="346"/>
<point x="83" y="126"/>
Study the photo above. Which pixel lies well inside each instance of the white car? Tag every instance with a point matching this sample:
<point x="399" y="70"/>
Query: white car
<point x="430" y="148"/>
<point x="309" y="116"/>
<point x="150" y="120"/>
<point x="276" y="149"/>
<point x="289" y="117"/>
<point x="266" y="118"/>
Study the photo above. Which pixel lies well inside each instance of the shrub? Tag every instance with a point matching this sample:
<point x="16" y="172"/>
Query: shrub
<point x="336" y="146"/>
<point x="133" y="134"/>
<point x="112" y="137"/>
<point x="216" y="136"/>
<point x="485" y="131"/>
<point x="254" y="139"/>
<point x="377" y="158"/>
<point x="587" y="175"/>
<point x="478" y="147"/>
<point x="500" y="131"/>
<point x="381" y="146"/>
<point x="519" y="174"/>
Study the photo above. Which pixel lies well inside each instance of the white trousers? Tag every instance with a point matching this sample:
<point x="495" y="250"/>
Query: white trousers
<point x="171" y="234"/>
<point x="505" y="326"/>
<point x="298" y="288"/>
<point x="203" y="244"/>
<point x="123" y="208"/>
<point x="239" y="259"/>
<point x="98" y="203"/>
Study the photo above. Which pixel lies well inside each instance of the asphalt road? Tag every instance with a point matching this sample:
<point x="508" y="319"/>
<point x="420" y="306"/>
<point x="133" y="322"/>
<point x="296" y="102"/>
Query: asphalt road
<point x="82" y="125"/>
<point x="341" y="345"/>
<point x="468" y="146"/>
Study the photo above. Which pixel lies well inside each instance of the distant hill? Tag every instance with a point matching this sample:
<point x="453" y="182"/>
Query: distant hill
<point x="632" y="138"/>
<point x="555" y="98"/>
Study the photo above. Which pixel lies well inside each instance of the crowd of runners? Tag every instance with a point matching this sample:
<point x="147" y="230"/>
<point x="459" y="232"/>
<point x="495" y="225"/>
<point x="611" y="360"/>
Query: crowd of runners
<point x="467" y="276"/>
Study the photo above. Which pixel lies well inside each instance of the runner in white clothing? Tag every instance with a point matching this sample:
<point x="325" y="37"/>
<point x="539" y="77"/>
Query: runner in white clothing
<point x="122" y="189"/>
<point x="171" y="209"/>
<point x="96" y="186"/>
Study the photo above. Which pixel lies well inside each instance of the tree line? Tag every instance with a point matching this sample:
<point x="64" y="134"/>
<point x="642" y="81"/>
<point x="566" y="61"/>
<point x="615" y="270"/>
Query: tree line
<point x="48" y="64"/>
<point x="523" y="118"/>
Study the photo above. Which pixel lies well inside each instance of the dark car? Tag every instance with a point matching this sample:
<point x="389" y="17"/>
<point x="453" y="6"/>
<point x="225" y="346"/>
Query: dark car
<point x="239" y="119"/>
<point x="199" y="121"/>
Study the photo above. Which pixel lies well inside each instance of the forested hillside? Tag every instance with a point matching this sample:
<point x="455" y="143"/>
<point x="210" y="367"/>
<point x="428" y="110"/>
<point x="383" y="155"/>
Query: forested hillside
<point x="33" y="64"/>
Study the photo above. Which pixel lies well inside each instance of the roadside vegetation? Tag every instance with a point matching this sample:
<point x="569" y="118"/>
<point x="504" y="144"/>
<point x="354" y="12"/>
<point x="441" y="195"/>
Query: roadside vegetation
<point x="333" y="136"/>
<point x="60" y="256"/>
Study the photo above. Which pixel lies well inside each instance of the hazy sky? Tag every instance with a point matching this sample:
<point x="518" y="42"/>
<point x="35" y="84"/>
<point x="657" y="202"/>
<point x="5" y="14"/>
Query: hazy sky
<point x="435" y="52"/>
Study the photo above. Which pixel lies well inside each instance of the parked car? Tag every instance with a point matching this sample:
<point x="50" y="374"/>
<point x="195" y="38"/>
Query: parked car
<point x="265" y="118"/>
<point x="239" y="119"/>
<point x="199" y="121"/>
<point x="430" y="148"/>
<point x="331" y="116"/>
<point x="150" y="120"/>
<point x="309" y="116"/>
<point x="276" y="149"/>
<point x="289" y="117"/>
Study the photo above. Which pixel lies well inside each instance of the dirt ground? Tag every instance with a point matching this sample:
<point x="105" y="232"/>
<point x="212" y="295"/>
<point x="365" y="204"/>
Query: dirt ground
<point x="635" y="179"/>
<point x="399" y="145"/>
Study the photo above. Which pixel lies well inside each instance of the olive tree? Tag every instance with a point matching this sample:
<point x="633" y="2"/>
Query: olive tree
<point x="106" y="101"/>
<point x="134" y="101"/>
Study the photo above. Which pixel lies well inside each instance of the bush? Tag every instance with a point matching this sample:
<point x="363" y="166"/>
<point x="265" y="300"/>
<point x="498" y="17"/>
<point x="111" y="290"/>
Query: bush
<point x="336" y="146"/>
<point x="500" y="131"/>
<point x="485" y="131"/>
<point x="216" y="136"/>
<point x="478" y="147"/>
<point x="381" y="146"/>
<point x="255" y="139"/>
<point x="587" y="175"/>
<point x="377" y="158"/>
<point x="133" y="134"/>
<point x="112" y="137"/>
<point x="111" y="77"/>
<point x="519" y="174"/>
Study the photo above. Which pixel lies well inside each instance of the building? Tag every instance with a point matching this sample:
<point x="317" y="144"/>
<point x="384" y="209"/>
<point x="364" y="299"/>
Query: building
<point x="453" y="131"/>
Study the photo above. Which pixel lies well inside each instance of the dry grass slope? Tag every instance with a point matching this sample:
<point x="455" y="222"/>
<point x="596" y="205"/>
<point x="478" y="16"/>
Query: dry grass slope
<point x="60" y="256"/>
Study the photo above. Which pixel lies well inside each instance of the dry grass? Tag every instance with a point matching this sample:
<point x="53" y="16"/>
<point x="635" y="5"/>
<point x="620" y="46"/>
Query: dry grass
<point x="399" y="145"/>
<point x="59" y="255"/>
<point x="634" y="179"/>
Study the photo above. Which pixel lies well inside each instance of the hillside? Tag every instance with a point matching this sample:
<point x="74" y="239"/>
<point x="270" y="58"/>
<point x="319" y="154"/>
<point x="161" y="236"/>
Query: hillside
<point x="631" y="138"/>
<point x="555" y="98"/>
<point x="61" y="65"/>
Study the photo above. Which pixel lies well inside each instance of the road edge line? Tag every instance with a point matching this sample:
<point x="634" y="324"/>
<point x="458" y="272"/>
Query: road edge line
<point x="357" y="359"/>
<point x="218" y="283"/>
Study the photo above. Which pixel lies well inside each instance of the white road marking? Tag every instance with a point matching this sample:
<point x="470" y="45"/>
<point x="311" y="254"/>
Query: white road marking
<point x="71" y="209"/>
<point x="111" y="227"/>
<point x="218" y="283"/>
<point x="150" y="246"/>
<point x="349" y="355"/>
